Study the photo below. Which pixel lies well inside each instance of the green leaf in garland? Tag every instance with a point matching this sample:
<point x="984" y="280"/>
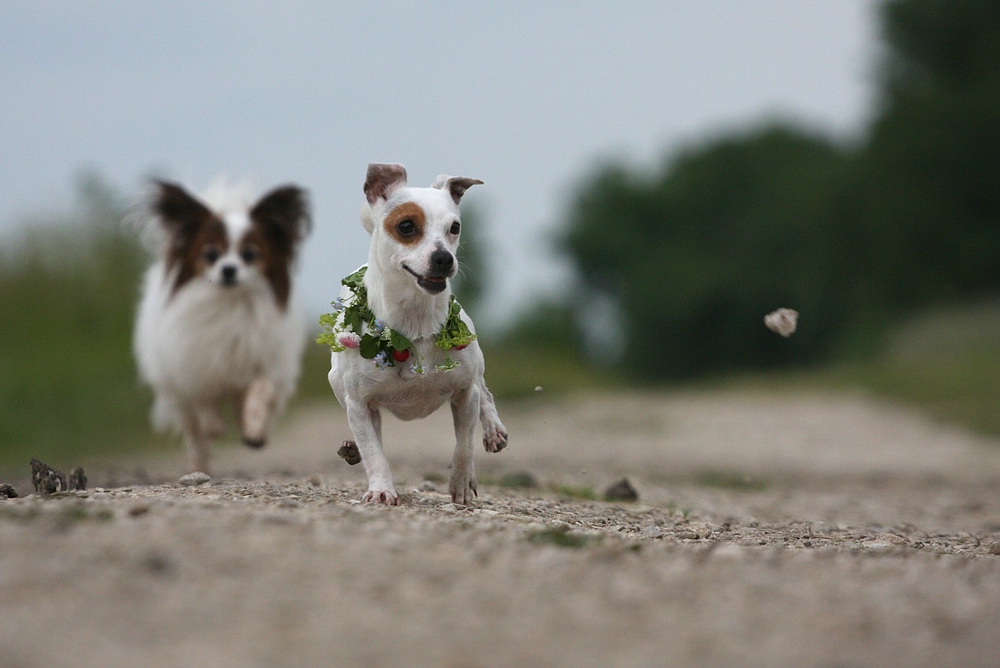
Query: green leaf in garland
<point x="398" y="341"/>
<point x="353" y="319"/>
<point x="357" y="279"/>
<point x="369" y="346"/>
<point x="455" y="332"/>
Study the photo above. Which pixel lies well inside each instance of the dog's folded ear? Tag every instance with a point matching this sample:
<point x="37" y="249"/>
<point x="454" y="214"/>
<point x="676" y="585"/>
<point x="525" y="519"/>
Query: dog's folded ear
<point x="456" y="185"/>
<point x="382" y="180"/>
<point x="285" y="215"/>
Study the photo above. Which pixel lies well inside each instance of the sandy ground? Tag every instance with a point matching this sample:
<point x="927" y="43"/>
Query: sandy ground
<point x="778" y="531"/>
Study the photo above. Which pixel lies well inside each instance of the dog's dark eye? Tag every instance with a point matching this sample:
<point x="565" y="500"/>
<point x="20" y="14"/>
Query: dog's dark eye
<point x="211" y="255"/>
<point x="248" y="254"/>
<point x="406" y="228"/>
<point x="456" y="227"/>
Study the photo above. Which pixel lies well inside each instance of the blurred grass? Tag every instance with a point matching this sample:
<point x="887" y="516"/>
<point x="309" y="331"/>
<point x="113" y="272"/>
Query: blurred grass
<point x="944" y="362"/>
<point x="68" y="288"/>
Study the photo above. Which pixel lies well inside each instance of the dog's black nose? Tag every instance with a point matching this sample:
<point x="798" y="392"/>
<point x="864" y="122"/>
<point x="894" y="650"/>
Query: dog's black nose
<point x="229" y="274"/>
<point x="442" y="263"/>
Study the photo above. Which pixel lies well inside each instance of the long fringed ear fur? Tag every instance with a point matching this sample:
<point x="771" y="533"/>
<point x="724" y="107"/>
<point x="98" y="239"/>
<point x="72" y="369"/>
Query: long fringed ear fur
<point x="456" y="185"/>
<point x="284" y="213"/>
<point x="180" y="214"/>
<point x="382" y="180"/>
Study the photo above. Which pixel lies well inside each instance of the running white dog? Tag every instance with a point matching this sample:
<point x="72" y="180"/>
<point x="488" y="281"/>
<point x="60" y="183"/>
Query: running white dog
<point x="219" y="324"/>
<point x="400" y="341"/>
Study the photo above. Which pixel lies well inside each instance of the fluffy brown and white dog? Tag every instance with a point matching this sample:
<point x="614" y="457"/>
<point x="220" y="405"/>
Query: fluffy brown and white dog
<point x="218" y="324"/>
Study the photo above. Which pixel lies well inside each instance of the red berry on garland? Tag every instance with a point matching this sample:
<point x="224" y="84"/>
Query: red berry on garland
<point x="400" y="355"/>
<point x="461" y="347"/>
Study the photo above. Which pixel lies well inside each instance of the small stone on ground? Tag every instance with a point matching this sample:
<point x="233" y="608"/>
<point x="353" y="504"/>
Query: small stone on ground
<point x="192" y="479"/>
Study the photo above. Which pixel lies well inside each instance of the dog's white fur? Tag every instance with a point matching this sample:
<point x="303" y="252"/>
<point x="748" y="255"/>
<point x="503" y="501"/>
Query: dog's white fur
<point x="395" y="298"/>
<point x="208" y="346"/>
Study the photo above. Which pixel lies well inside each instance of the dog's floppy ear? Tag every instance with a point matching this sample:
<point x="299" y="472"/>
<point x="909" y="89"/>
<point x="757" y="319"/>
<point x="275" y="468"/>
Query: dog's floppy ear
<point x="456" y="185"/>
<point x="284" y="214"/>
<point x="382" y="180"/>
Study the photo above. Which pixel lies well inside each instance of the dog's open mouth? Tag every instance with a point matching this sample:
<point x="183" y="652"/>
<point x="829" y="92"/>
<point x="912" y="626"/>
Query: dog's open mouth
<point x="432" y="284"/>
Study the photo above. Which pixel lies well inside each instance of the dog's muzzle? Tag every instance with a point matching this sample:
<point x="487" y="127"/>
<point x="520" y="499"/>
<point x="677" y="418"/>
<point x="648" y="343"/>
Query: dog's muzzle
<point x="442" y="266"/>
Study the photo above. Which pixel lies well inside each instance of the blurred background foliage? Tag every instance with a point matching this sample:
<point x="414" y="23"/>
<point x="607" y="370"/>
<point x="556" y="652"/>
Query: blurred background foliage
<point x="68" y="290"/>
<point x="852" y="236"/>
<point x="888" y="245"/>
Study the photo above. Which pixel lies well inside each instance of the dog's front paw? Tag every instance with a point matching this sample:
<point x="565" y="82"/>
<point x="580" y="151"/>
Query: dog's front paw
<point x="463" y="487"/>
<point x="494" y="437"/>
<point x="387" y="496"/>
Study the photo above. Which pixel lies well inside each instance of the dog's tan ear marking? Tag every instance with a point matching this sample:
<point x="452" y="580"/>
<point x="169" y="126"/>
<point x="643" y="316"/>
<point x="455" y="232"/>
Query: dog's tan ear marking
<point x="456" y="185"/>
<point x="382" y="180"/>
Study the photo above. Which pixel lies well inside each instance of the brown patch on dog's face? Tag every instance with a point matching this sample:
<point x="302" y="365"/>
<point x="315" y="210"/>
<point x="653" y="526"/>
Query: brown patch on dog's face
<point x="406" y="223"/>
<point x="197" y="257"/>
<point x="197" y="236"/>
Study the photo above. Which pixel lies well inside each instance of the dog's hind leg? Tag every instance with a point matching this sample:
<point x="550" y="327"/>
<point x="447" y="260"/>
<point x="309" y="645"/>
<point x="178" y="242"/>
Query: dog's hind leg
<point x="464" y="410"/>
<point x="366" y="425"/>
<point x="494" y="433"/>
<point x="256" y="411"/>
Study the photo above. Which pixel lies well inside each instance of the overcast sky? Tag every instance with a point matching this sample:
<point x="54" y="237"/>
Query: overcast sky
<point x="524" y="95"/>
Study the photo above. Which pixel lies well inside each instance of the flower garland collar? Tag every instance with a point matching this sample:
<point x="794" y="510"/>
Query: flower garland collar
<point x="353" y="325"/>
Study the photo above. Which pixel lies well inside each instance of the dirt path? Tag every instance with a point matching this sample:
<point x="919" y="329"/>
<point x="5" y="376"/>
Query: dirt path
<point x="806" y="531"/>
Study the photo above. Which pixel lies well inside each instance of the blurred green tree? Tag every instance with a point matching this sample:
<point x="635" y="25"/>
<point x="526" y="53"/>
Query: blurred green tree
<point x="931" y="169"/>
<point x="697" y="254"/>
<point x="850" y="236"/>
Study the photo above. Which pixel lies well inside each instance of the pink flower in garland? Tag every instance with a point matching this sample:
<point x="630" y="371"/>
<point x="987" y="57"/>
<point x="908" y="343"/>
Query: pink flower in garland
<point x="349" y="339"/>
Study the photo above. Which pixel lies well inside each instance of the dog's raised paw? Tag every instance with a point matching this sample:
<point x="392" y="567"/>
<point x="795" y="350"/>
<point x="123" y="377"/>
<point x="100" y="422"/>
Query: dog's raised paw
<point x="388" y="497"/>
<point x="350" y="453"/>
<point x="494" y="438"/>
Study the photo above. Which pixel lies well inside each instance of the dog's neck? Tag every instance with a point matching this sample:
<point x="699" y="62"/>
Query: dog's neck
<point x="401" y="305"/>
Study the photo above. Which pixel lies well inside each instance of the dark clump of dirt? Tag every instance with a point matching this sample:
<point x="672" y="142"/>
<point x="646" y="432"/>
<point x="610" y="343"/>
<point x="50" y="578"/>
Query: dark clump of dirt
<point x="621" y="491"/>
<point x="7" y="491"/>
<point x="46" y="479"/>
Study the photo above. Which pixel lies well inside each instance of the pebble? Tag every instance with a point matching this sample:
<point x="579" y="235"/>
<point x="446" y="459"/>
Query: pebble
<point x="651" y="532"/>
<point x="783" y="321"/>
<point x="427" y="486"/>
<point x="315" y="480"/>
<point x="449" y="507"/>
<point x="192" y="479"/>
<point x="621" y="491"/>
<point x="995" y="548"/>
<point x="7" y="492"/>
